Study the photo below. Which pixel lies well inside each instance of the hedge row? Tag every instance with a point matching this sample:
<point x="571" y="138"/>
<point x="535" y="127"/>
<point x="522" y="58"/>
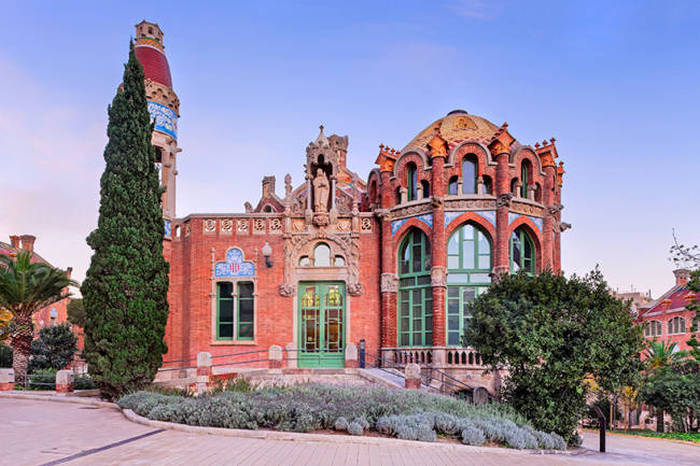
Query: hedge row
<point x="305" y="408"/>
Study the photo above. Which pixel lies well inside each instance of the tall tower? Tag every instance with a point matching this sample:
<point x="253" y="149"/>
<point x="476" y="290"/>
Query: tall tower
<point x="163" y="105"/>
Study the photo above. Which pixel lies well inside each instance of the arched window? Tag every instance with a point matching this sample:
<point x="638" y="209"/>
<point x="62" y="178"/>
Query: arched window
<point x="322" y="255"/>
<point x="513" y="183"/>
<point x="488" y="185"/>
<point x="525" y="170"/>
<point x="696" y="323"/>
<point x="522" y="252"/>
<point x="426" y="189"/>
<point x="267" y="208"/>
<point x="415" y="291"/>
<point x="469" y="265"/>
<point x="469" y="169"/>
<point x="652" y="329"/>
<point x="676" y="325"/>
<point x="373" y="192"/>
<point x="411" y="181"/>
<point x="538" y="192"/>
<point x="398" y="195"/>
<point x="452" y="186"/>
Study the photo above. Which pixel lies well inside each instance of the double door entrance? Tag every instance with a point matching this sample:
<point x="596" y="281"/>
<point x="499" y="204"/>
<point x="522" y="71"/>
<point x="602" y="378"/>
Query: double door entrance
<point x="321" y="325"/>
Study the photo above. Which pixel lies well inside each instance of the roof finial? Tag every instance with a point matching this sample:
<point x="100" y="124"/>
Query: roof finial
<point x="321" y="140"/>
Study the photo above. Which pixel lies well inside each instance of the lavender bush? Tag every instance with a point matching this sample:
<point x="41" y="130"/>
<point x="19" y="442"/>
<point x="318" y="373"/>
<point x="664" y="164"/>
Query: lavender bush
<point x="405" y="414"/>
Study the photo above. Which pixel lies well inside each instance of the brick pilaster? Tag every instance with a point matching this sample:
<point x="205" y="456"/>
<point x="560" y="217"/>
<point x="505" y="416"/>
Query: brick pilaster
<point x="500" y="262"/>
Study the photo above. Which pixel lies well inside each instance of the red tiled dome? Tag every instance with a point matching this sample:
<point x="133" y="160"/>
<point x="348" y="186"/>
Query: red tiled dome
<point x="155" y="64"/>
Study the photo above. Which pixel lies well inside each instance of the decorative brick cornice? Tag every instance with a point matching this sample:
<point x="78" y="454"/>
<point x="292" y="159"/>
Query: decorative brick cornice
<point x="547" y="152"/>
<point x="387" y="158"/>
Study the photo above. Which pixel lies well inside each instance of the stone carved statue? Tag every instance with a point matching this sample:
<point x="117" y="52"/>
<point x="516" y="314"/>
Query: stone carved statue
<point x="321" y="191"/>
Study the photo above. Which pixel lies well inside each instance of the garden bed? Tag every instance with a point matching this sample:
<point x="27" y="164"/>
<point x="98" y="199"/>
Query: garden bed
<point x="404" y="414"/>
<point x="685" y="436"/>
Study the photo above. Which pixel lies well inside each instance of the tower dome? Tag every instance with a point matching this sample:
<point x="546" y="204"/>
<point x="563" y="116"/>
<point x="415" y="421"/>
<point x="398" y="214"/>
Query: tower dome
<point x="149" y="49"/>
<point x="456" y="127"/>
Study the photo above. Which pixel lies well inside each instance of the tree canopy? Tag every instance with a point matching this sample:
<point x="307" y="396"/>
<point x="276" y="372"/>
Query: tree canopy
<point x="552" y="332"/>
<point x="125" y="290"/>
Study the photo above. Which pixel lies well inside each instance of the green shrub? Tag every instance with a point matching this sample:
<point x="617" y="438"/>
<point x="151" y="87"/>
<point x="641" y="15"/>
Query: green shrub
<point x="5" y="356"/>
<point x="341" y="424"/>
<point x="355" y="428"/>
<point x="472" y="435"/>
<point x="83" y="382"/>
<point x="54" y="349"/>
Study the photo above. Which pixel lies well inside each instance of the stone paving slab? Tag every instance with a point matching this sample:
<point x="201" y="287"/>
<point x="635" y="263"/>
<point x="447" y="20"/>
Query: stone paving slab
<point x="36" y="431"/>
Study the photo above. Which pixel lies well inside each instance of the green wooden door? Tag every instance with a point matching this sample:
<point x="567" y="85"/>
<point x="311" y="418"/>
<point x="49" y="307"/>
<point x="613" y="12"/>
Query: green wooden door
<point x="322" y="325"/>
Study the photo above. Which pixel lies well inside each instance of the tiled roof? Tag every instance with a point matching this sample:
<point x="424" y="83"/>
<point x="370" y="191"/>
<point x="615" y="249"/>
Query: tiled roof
<point x="457" y="127"/>
<point x="6" y="249"/>
<point x="154" y="62"/>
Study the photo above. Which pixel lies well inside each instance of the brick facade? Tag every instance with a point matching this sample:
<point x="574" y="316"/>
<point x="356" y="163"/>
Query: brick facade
<point x="512" y="187"/>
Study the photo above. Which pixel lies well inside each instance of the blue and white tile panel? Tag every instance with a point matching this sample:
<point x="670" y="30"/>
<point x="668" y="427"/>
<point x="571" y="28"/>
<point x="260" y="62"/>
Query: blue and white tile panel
<point x="426" y="218"/>
<point x="234" y="265"/>
<point x="513" y="217"/>
<point x="488" y="215"/>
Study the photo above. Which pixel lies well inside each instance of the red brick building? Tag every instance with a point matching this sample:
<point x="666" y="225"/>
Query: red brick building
<point x="668" y="318"/>
<point x="335" y="259"/>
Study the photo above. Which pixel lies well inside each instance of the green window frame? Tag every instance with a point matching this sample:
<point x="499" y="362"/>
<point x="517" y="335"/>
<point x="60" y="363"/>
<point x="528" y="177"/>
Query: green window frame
<point x="522" y="252"/>
<point x="246" y="311"/>
<point x="469" y="264"/>
<point x="411" y="181"/>
<point x="224" y="311"/>
<point x="415" y="291"/>
<point x="235" y="315"/>
<point x="524" y="178"/>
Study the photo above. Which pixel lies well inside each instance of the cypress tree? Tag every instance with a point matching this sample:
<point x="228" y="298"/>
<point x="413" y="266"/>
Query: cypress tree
<point x="125" y="290"/>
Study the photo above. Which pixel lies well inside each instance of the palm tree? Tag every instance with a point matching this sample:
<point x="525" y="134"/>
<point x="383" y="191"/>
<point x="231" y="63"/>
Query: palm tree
<point x="661" y="356"/>
<point x="25" y="288"/>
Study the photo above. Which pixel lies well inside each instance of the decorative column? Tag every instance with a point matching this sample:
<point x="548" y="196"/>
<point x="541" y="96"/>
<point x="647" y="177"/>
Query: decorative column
<point x="389" y="285"/>
<point x="558" y="230"/>
<point x="504" y="196"/>
<point x="438" y="243"/>
<point x="548" y="224"/>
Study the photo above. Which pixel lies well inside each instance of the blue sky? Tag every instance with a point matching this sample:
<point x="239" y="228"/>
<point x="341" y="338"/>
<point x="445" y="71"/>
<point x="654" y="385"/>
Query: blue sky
<point x="614" y="82"/>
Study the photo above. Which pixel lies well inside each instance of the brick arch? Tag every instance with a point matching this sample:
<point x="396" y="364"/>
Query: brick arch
<point x="411" y="222"/>
<point x="535" y="234"/>
<point x="529" y="154"/>
<point x="415" y="155"/>
<point x="482" y="153"/>
<point x="472" y="217"/>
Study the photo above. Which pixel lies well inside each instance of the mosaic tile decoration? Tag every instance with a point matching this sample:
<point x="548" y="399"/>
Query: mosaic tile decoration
<point x="513" y="217"/>
<point x="489" y="215"/>
<point x="168" y="228"/>
<point x="165" y="119"/>
<point x="234" y="265"/>
<point x="426" y="218"/>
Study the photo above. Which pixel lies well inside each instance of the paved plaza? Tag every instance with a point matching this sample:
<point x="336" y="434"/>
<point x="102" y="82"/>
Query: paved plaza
<point x="35" y="432"/>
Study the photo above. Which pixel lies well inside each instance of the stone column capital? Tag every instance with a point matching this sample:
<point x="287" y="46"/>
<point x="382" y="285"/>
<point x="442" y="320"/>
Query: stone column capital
<point x="389" y="283"/>
<point x="438" y="276"/>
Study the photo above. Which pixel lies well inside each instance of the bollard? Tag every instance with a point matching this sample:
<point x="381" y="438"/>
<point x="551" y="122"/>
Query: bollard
<point x="275" y="357"/>
<point x="203" y="371"/>
<point x="64" y="381"/>
<point x="351" y="356"/>
<point x="7" y="380"/>
<point x="412" y="373"/>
